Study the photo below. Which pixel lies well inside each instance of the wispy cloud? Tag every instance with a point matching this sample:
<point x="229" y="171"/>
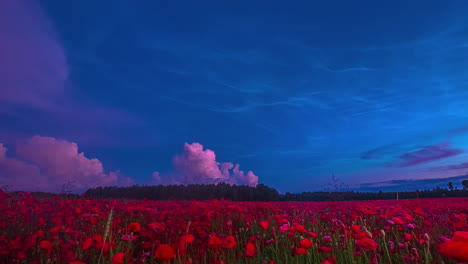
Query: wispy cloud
<point x="344" y="70"/>
<point x="294" y="101"/>
<point x="460" y="166"/>
<point x="427" y="154"/>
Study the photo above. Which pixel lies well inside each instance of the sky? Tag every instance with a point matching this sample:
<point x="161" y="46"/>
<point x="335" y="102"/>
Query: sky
<point x="285" y="94"/>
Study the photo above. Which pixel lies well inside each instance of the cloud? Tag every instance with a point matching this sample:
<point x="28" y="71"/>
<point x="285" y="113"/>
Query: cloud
<point x="428" y="154"/>
<point x="54" y="164"/>
<point x="459" y="131"/>
<point x="343" y="70"/>
<point x="35" y="85"/>
<point x="297" y="102"/>
<point x="461" y="166"/>
<point x="412" y="184"/>
<point x="379" y="152"/>
<point x="33" y="67"/>
<point x="300" y="102"/>
<point x="18" y="174"/>
<point x="198" y="166"/>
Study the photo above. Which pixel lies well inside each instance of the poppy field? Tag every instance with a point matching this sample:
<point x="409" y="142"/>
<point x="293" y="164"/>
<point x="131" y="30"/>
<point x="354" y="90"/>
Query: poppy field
<point x="86" y="230"/>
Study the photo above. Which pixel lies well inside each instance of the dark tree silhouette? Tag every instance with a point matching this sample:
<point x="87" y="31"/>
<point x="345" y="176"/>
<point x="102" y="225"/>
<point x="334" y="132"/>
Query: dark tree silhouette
<point x="247" y="193"/>
<point x="450" y="186"/>
<point x="465" y="185"/>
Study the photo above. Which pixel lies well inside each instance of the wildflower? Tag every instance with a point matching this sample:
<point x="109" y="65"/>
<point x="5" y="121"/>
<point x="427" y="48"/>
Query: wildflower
<point x="299" y="251"/>
<point x="407" y="237"/>
<point x="250" y="250"/>
<point x="265" y="224"/>
<point x="164" y="252"/>
<point x="229" y="242"/>
<point x="367" y="243"/>
<point x="305" y="243"/>
<point x="46" y="245"/>
<point x="134" y="227"/>
<point x="325" y="249"/>
<point x="457" y="247"/>
<point x="118" y="258"/>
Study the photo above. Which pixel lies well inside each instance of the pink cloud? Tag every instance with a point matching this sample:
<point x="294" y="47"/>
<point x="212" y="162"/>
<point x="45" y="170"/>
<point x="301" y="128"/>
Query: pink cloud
<point x="33" y="67"/>
<point x="428" y="154"/>
<point x="54" y="163"/>
<point x="198" y="166"/>
<point x="34" y="75"/>
<point x="15" y="173"/>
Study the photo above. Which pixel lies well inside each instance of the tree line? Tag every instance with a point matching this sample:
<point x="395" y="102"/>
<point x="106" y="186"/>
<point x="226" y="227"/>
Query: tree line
<point x="259" y="193"/>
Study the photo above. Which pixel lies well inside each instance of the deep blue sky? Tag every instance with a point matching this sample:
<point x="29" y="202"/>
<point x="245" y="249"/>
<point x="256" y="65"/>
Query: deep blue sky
<point x="294" y="91"/>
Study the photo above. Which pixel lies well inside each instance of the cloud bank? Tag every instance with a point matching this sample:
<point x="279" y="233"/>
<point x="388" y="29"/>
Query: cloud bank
<point x="54" y="165"/>
<point x="198" y="166"/>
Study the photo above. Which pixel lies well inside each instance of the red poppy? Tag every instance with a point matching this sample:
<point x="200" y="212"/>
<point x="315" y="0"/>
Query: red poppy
<point x="265" y="224"/>
<point x="134" y="227"/>
<point x="325" y="249"/>
<point x="367" y="243"/>
<point x="250" y="250"/>
<point x="46" y="245"/>
<point x="356" y="228"/>
<point x="305" y="243"/>
<point x="164" y="252"/>
<point x="460" y="236"/>
<point x="229" y="242"/>
<point x="87" y="243"/>
<point x="157" y="227"/>
<point x="407" y="236"/>
<point x="188" y="238"/>
<point x="118" y="258"/>
<point x="299" y="251"/>
<point x="457" y="247"/>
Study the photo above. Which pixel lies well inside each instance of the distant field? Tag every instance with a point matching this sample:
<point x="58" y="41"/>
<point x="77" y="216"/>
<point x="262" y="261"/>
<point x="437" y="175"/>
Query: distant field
<point x="221" y="231"/>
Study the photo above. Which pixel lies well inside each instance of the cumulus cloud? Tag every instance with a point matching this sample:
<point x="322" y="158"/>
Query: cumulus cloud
<point x="55" y="164"/>
<point x="198" y="166"/>
<point x="16" y="173"/>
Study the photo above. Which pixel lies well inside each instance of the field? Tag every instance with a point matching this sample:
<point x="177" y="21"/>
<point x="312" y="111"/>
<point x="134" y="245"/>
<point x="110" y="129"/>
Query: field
<point x="89" y="231"/>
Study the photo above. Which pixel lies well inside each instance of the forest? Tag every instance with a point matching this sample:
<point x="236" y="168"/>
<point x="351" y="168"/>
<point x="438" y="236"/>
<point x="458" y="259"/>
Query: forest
<point x="259" y="193"/>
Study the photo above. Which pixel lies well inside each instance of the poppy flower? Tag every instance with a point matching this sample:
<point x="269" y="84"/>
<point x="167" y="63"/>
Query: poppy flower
<point x="367" y="243"/>
<point x="157" y="227"/>
<point x="87" y="243"/>
<point x="188" y="238"/>
<point x="299" y="251"/>
<point x="118" y="258"/>
<point x="46" y="245"/>
<point x="356" y="228"/>
<point x="164" y="252"/>
<point x="265" y="224"/>
<point x="229" y="242"/>
<point x="407" y="236"/>
<point x="305" y="243"/>
<point x="325" y="249"/>
<point x="134" y="227"/>
<point x="250" y="250"/>
<point x="457" y="247"/>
